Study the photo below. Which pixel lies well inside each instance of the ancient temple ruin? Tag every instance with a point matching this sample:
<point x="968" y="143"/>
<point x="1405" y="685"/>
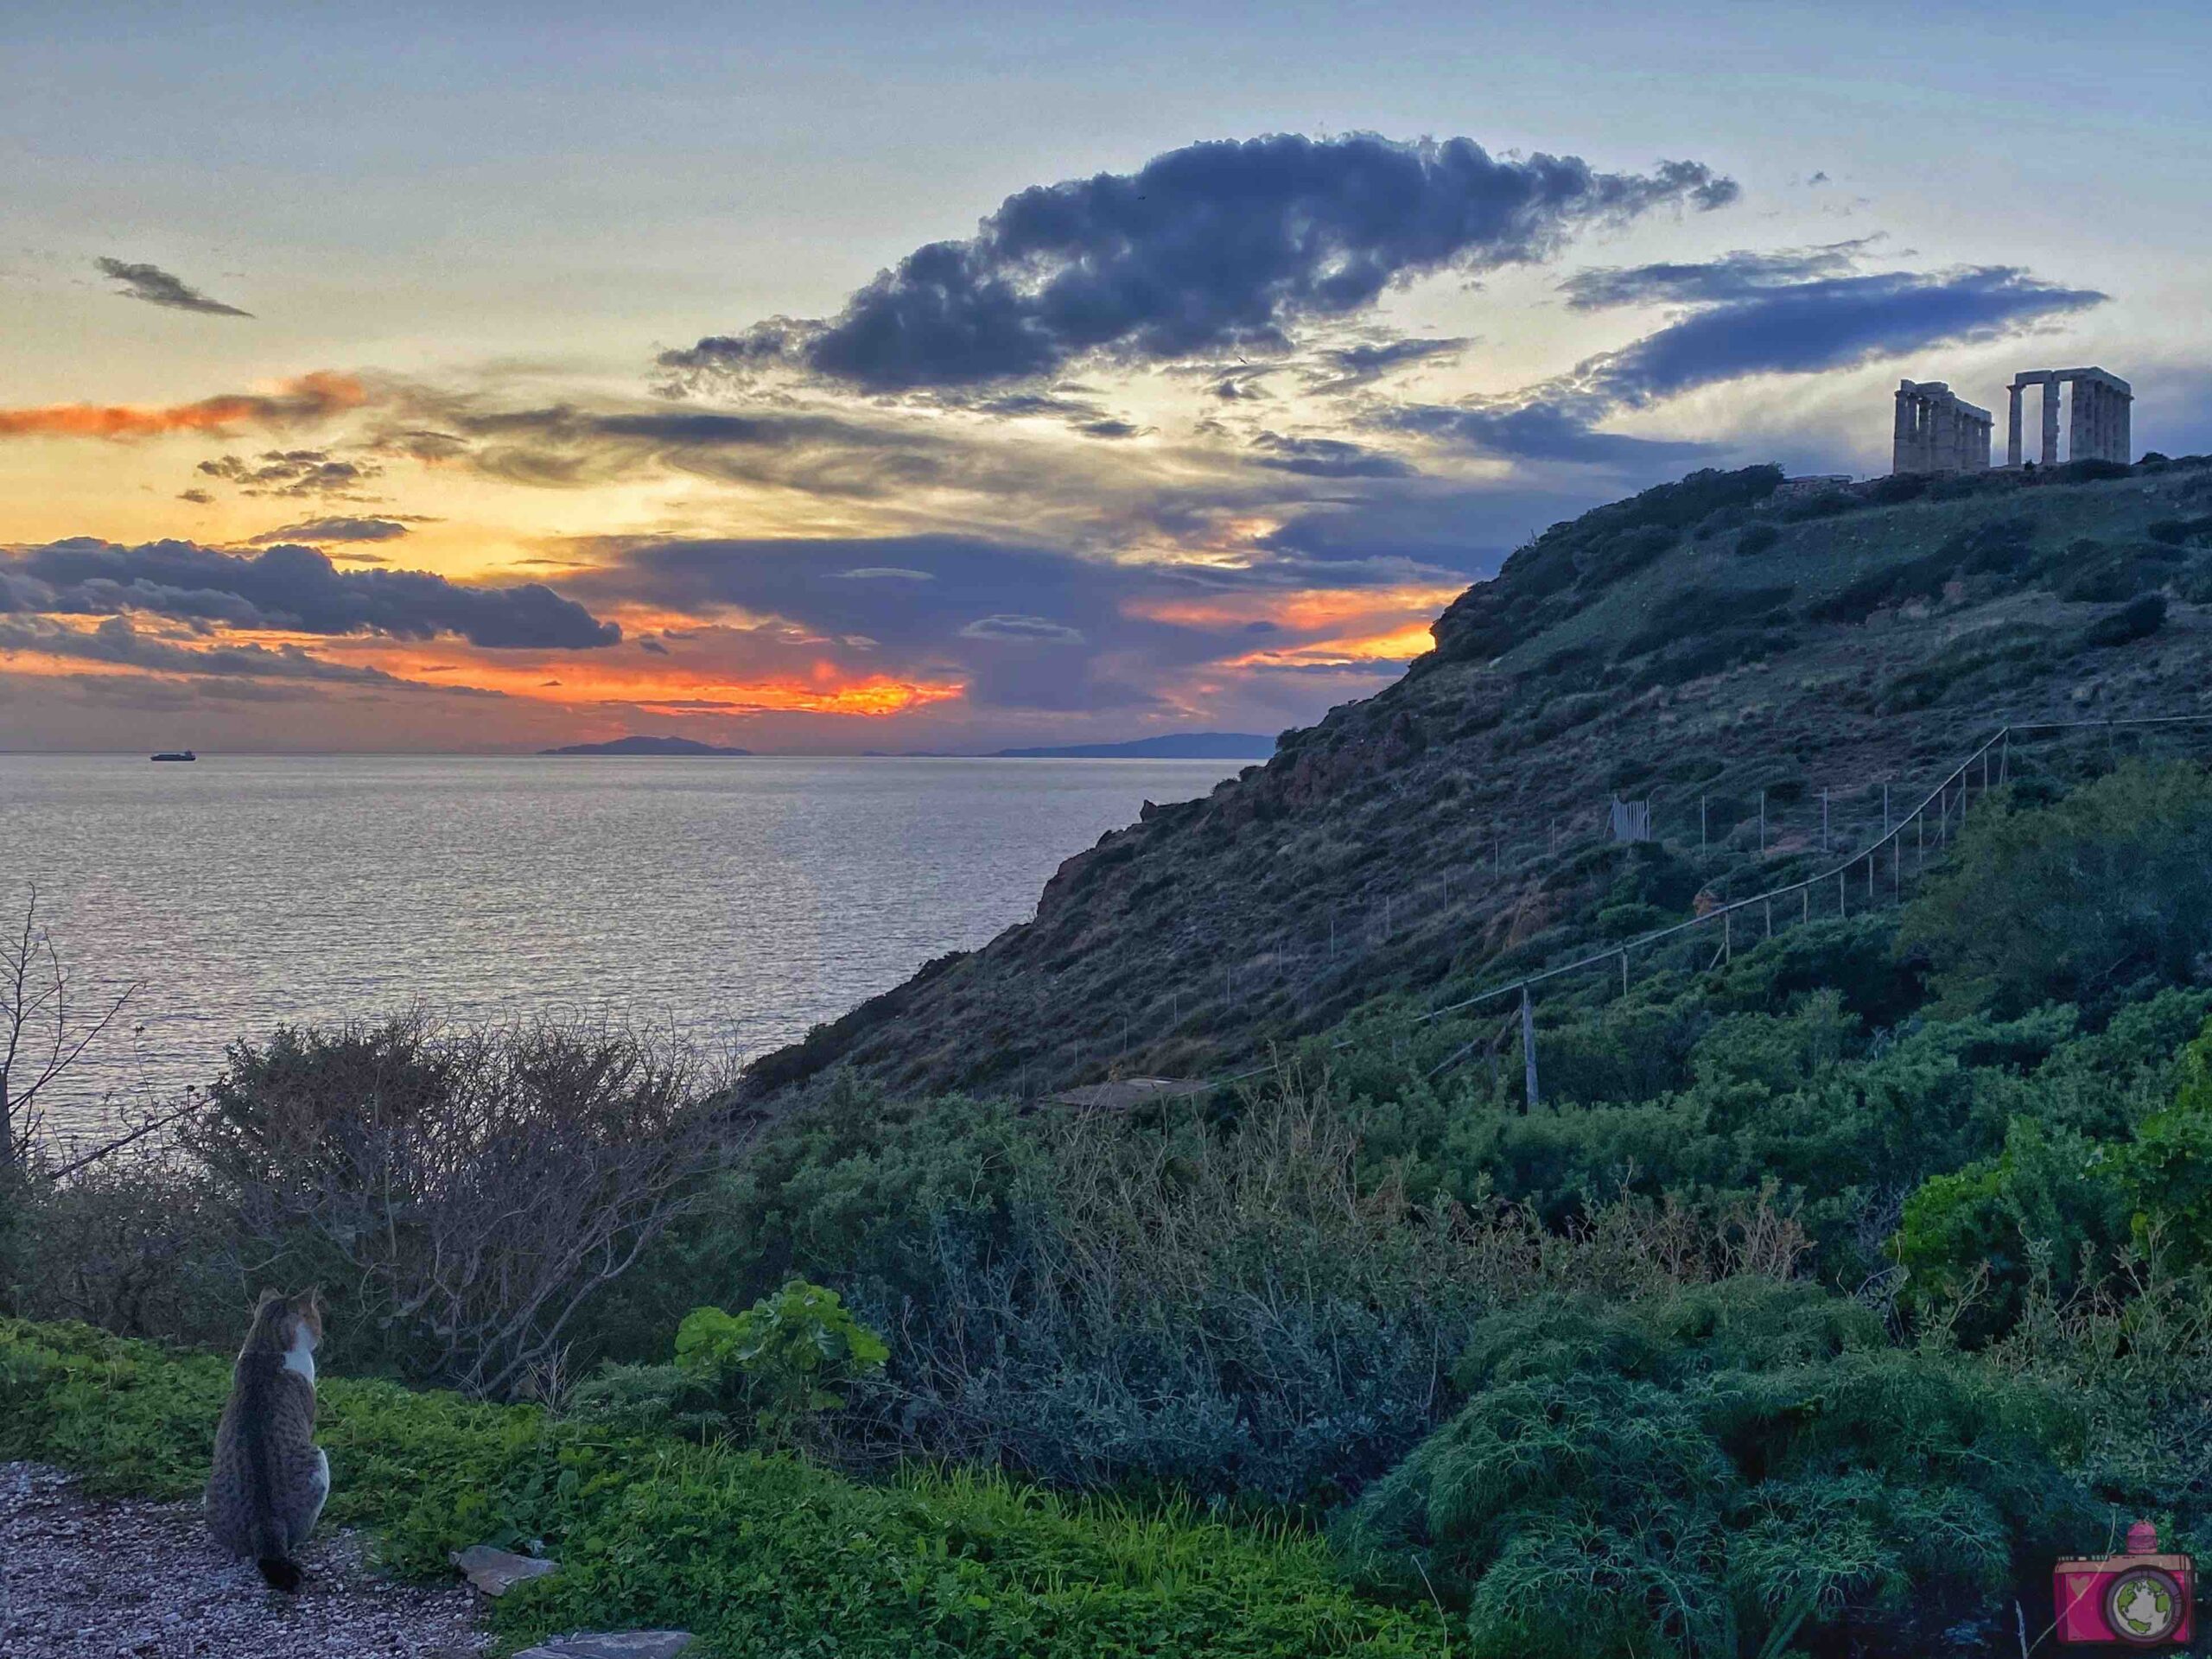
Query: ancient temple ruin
<point x="1937" y="431"/>
<point x="2098" y="429"/>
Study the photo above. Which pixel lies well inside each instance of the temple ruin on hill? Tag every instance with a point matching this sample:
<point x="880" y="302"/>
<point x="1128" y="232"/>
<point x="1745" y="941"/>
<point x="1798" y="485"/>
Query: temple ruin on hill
<point x="1937" y="431"/>
<point x="2099" y="427"/>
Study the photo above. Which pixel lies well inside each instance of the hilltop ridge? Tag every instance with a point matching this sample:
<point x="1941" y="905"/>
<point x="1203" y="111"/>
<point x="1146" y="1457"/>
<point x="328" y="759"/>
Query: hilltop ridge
<point x="1706" y="645"/>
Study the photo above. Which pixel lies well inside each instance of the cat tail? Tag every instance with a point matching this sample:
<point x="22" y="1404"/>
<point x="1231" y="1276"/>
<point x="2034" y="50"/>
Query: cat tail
<point x="273" y="1555"/>
<point x="281" y="1572"/>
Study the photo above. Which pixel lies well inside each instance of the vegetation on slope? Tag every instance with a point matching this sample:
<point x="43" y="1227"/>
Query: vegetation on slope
<point x="1706" y="646"/>
<point x="1883" y="1227"/>
<point x="756" y="1555"/>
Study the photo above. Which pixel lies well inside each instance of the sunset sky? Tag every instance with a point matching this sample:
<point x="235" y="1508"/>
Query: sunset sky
<point x="837" y="378"/>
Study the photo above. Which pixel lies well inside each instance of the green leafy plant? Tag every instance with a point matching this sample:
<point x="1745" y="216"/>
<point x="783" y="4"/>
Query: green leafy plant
<point x="785" y="1358"/>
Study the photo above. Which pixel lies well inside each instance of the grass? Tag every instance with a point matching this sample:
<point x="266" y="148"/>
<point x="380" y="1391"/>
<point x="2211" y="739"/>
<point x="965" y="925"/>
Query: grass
<point x="756" y="1555"/>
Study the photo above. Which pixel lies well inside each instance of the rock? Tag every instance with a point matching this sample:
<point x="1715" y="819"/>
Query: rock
<point x="495" y="1571"/>
<point x="620" y="1644"/>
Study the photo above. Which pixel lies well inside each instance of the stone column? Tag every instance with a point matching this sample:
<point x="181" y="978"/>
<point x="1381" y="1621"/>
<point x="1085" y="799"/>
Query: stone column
<point x="1901" y="435"/>
<point x="2081" y="429"/>
<point x="2050" y="423"/>
<point x="2123" y="411"/>
<point x="2012" y="427"/>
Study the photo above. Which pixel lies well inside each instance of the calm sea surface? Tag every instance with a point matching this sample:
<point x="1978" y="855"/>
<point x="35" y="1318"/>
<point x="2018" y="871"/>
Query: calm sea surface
<point x="741" y="900"/>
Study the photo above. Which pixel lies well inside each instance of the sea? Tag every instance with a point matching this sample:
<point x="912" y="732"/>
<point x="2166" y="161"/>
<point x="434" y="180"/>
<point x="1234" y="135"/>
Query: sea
<point x="732" y="901"/>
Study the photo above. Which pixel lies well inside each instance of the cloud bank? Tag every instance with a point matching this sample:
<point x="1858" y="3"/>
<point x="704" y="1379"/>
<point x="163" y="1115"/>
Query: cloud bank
<point x="1217" y="246"/>
<point x="289" y="588"/>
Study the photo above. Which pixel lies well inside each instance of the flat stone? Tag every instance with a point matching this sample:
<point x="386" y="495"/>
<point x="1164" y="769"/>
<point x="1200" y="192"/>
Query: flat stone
<point x="618" y="1644"/>
<point x="495" y="1571"/>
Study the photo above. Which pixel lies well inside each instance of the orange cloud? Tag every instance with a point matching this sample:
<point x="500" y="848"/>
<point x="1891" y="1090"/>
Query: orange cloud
<point x="1403" y="644"/>
<point x="657" y="687"/>
<point x="1314" y="608"/>
<point x="308" y="397"/>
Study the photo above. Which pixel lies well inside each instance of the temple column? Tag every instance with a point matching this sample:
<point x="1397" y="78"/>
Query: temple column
<point x="2013" y="428"/>
<point x="2123" y="415"/>
<point x="1901" y="433"/>
<point x="2081" y="428"/>
<point x="2050" y="423"/>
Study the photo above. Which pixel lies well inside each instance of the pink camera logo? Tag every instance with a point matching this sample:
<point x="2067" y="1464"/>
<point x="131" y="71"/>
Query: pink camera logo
<point x="2138" y="1599"/>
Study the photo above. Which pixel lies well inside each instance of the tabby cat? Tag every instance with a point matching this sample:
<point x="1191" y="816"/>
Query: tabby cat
<point x="266" y="1490"/>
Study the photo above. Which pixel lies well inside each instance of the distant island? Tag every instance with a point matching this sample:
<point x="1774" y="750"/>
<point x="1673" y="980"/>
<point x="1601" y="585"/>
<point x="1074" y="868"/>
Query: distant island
<point x="660" y="745"/>
<point x="1174" y="745"/>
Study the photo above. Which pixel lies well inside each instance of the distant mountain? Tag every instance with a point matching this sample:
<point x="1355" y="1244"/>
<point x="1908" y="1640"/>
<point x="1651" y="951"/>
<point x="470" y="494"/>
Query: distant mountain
<point x="683" y="745"/>
<point x="1175" y="745"/>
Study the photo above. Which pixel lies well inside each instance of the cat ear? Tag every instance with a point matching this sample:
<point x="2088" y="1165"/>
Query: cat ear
<point x="268" y="1298"/>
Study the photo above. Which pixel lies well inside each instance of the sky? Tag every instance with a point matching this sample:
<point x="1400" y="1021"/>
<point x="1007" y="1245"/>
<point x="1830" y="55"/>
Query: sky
<point x="845" y="378"/>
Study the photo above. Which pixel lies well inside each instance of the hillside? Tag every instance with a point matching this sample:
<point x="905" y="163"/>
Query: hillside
<point x="1694" y="647"/>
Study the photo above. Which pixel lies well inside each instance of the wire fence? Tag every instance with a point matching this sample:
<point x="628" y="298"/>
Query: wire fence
<point x="1911" y="833"/>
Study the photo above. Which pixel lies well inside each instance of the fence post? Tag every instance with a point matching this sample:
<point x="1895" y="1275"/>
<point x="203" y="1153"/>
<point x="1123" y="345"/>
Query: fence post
<point x="1885" y="809"/>
<point x="1824" y="820"/>
<point x="1624" y="973"/>
<point x="1528" y="1047"/>
<point x="1762" y="823"/>
<point x="1701" y="823"/>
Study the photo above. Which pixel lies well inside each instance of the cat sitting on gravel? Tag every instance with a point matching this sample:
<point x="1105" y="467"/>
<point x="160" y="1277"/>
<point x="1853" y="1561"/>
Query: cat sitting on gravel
<point x="269" y="1479"/>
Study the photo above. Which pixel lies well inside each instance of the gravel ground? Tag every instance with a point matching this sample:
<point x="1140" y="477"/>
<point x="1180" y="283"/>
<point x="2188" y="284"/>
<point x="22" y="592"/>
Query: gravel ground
<point x="86" y="1578"/>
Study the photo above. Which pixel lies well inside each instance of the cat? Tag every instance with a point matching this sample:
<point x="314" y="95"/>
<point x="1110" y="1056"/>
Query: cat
<point x="270" y="1480"/>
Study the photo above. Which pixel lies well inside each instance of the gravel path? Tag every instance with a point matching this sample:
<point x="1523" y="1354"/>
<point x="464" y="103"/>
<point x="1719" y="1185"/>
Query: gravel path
<point x="88" y="1578"/>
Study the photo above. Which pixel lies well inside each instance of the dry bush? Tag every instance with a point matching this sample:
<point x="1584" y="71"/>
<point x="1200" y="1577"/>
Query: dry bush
<point x="461" y="1193"/>
<point x="135" y="1244"/>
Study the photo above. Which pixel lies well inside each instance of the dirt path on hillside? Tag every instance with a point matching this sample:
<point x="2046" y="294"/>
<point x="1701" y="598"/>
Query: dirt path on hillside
<point x="91" y="1578"/>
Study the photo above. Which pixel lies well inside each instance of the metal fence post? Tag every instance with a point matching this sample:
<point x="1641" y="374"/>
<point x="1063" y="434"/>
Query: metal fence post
<point x="1528" y="1047"/>
<point x="1762" y="823"/>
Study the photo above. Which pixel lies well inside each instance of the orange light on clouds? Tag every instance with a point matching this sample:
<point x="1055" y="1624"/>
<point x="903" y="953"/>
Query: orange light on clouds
<point x="308" y="398"/>
<point x="1313" y="608"/>
<point x="659" y="688"/>
<point x="1399" y="646"/>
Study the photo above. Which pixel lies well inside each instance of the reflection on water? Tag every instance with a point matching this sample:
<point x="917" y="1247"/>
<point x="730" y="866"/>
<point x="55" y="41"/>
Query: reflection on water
<point x="743" y="900"/>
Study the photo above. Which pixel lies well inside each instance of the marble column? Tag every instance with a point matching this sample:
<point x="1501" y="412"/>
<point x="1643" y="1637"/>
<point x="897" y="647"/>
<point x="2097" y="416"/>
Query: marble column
<point x="2013" y="428"/>
<point x="2050" y="423"/>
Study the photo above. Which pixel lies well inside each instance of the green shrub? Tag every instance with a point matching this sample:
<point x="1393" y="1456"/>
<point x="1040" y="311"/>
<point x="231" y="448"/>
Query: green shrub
<point x="2027" y="914"/>
<point x="2137" y="619"/>
<point x="1706" y="1474"/>
<point x="756" y="1555"/>
<point x="785" y="1358"/>
<point x="1973" y="1241"/>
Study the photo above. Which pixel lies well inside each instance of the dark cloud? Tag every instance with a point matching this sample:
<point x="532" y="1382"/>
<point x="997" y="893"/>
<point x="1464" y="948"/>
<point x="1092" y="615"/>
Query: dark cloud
<point x="1828" y="323"/>
<point x="1327" y="458"/>
<point x="293" y="472"/>
<point x="157" y="287"/>
<point x="1217" y="246"/>
<point x="333" y="529"/>
<point x="1750" y="314"/>
<point x="1111" y="428"/>
<point x="1532" y="431"/>
<point x="1742" y="275"/>
<point x="1348" y="368"/>
<point x="289" y="587"/>
<point x="1023" y="630"/>
<point x="198" y="498"/>
<point x="1023" y="626"/>
<point x="118" y="642"/>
